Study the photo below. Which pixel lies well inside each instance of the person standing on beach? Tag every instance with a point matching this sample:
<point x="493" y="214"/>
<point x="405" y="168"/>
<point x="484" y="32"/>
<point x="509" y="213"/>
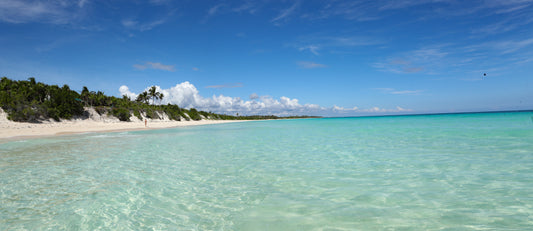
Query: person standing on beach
<point x="145" y="122"/>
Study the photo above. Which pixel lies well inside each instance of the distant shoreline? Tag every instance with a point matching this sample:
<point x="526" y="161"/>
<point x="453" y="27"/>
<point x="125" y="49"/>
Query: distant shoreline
<point x="437" y="113"/>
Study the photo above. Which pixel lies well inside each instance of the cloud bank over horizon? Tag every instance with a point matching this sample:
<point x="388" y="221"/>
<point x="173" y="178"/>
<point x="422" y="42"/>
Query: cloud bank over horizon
<point x="186" y="95"/>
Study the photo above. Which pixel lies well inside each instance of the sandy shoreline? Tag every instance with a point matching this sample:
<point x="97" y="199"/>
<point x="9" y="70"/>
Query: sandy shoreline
<point x="10" y="130"/>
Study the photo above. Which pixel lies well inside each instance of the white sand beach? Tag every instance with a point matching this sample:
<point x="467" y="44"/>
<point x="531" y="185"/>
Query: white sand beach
<point x="95" y="123"/>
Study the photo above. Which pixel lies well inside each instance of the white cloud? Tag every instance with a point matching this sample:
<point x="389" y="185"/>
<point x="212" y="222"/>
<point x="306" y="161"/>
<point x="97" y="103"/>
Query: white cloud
<point x="429" y="60"/>
<point x="186" y="95"/>
<point x="332" y="43"/>
<point x="342" y="109"/>
<point x="228" y="7"/>
<point x="129" y="23"/>
<point x="392" y="5"/>
<point x="512" y="46"/>
<point x="248" y="6"/>
<point x="213" y="10"/>
<point x="254" y="96"/>
<point x="124" y="90"/>
<point x="286" y="12"/>
<point x="312" y="48"/>
<point x="145" y="26"/>
<point x="351" y="10"/>
<point x="343" y="41"/>
<point x="310" y="65"/>
<point x="24" y="11"/>
<point x="381" y="9"/>
<point x="82" y="3"/>
<point x="156" y="66"/>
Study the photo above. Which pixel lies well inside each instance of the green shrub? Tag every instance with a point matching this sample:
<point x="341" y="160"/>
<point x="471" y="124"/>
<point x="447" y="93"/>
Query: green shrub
<point x="193" y="113"/>
<point x="122" y="114"/>
<point x="137" y="114"/>
<point x="52" y="113"/>
<point x="184" y="115"/>
<point x="172" y="114"/>
<point x="205" y="114"/>
<point x="150" y="113"/>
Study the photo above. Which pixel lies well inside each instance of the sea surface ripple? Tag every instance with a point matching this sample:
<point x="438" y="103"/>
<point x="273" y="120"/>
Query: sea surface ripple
<point x="435" y="172"/>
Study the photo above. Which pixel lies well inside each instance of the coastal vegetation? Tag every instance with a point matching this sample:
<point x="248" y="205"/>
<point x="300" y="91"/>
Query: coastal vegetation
<point x="32" y="101"/>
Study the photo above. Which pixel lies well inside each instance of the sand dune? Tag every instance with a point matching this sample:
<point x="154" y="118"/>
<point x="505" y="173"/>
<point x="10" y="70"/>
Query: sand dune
<point x="94" y="123"/>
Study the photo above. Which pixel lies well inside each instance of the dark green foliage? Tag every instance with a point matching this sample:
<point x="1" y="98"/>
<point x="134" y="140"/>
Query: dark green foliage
<point x="52" y="113"/>
<point x="143" y="97"/>
<point x="151" y="113"/>
<point x="122" y="114"/>
<point x="137" y="114"/>
<point x="184" y="115"/>
<point x="205" y="114"/>
<point x="173" y="111"/>
<point x="193" y="113"/>
<point x="31" y="101"/>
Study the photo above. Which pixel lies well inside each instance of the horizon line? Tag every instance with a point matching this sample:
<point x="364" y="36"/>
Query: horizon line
<point x="435" y="113"/>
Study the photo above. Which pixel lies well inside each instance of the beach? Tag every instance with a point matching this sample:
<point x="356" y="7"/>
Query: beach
<point x="94" y="123"/>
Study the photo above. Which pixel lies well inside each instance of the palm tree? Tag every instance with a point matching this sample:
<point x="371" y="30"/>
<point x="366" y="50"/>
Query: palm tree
<point x="85" y="94"/>
<point x="161" y="97"/>
<point x="143" y="97"/>
<point x="100" y="99"/>
<point x="153" y="94"/>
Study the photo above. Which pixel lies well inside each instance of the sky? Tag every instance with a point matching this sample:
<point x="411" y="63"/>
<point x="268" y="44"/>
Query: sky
<point x="286" y="57"/>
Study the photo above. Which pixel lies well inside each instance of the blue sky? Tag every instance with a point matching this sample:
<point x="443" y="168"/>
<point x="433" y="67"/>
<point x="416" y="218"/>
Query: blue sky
<point x="330" y="58"/>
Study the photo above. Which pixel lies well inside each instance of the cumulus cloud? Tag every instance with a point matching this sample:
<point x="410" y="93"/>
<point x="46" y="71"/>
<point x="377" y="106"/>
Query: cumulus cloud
<point x="186" y="95"/>
<point x="156" y="66"/>
<point x="125" y="90"/>
<point x="254" y="96"/>
<point x="383" y="110"/>
<point x="342" y="109"/>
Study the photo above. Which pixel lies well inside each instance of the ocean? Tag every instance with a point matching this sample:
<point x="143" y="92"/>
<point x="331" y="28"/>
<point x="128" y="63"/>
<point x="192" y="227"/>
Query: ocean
<point x="424" y="172"/>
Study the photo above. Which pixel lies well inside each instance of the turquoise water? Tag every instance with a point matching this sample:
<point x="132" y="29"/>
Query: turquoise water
<point x="450" y="172"/>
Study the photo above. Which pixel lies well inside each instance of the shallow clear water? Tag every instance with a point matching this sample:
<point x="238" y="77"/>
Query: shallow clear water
<point x="464" y="171"/>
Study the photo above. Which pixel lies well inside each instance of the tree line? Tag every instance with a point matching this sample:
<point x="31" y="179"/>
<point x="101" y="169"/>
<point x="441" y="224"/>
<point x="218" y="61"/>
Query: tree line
<point x="31" y="101"/>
